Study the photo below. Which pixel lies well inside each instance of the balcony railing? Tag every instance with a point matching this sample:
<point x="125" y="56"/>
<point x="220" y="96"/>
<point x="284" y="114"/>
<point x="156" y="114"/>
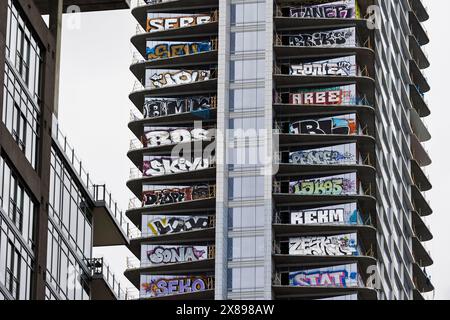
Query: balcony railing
<point x="139" y="3"/>
<point x="133" y="263"/>
<point x="135" y="116"/>
<point x="276" y="280"/>
<point x="135" y="233"/>
<point x="135" y="144"/>
<point x="280" y="129"/>
<point x="362" y="190"/>
<point x="359" y="100"/>
<point x="69" y="152"/>
<point x="360" y="160"/>
<point x="99" y="268"/>
<point x="102" y="194"/>
<point x="134" y="203"/>
<point x="97" y="192"/>
<point x="359" y="43"/>
<point x="278" y="219"/>
<point x="358" y="71"/>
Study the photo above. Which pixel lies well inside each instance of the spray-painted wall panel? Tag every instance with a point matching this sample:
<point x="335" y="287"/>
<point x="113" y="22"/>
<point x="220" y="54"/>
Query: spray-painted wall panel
<point x="340" y="245"/>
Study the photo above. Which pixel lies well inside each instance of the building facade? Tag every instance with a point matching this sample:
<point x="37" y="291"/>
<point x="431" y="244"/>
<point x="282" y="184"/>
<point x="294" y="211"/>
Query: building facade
<point x="52" y="214"/>
<point x="278" y="150"/>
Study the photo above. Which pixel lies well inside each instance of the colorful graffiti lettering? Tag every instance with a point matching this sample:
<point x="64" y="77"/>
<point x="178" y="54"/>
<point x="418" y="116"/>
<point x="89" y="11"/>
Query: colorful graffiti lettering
<point x="161" y="24"/>
<point x="166" y="107"/>
<point x="342" y="245"/>
<point x="167" y="136"/>
<point x="165" y="50"/>
<point x="334" y="67"/>
<point x="167" y="196"/>
<point x="161" y="225"/>
<point x="340" y="276"/>
<point x="321" y="157"/>
<point x="345" y="9"/>
<point x="172" y="78"/>
<point x="345" y="125"/>
<point x="164" y="286"/>
<point x="338" y="214"/>
<point x="158" y="166"/>
<point x="165" y="254"/>
<point x="325" y="96"/>
<point x="336" y="185"/>
<point x="175" y="195"/>
<point x="340" y="38"/>
<point x="318" y="216"/>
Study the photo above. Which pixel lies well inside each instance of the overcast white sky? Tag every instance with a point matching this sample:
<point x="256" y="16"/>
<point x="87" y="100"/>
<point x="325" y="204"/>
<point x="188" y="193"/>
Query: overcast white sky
<point x="94" y="112"/>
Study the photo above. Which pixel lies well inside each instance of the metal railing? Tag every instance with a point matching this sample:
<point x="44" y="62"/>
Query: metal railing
<point x="135" y="173"/>
<point x="358" y="70"/>
<point x="359" y="43"/>
<point x="133" y="263"/>
<point x="137" y="58"/>
<point x="69" y="152"/>
<point x="134" y="203"/>
<point x="136" y="144"/>
<point x="98" y="267"/>
<point x="359" y="100"/>
<point x="359" y="160"/>
<point x="279" y="129"/>
<point x="278" y="219"/>
<point x="135" y="116"/>
<point x="97" y="192"/>
<point x="135" y="233"/>
<point x="101" y="194"/>
<point x="138" y="3"/>
<point x="214" y="18"/>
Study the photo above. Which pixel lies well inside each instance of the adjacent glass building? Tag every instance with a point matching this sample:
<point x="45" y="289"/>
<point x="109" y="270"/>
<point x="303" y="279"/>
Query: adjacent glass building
<point x="51" y="213"/>
<point x="278" y="150"/>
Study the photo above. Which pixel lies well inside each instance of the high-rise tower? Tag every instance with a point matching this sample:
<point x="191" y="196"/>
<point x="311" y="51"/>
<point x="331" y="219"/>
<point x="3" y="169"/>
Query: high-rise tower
<point x="279" y="150"/>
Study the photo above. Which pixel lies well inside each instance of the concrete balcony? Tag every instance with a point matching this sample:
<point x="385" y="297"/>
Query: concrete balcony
<point x="202" y="175"/>
<point x="201" y="60"/>
<point x="85" y="5"/>
<point x="110" y="225"/>
<point x="418" y="30"/>
<point x="365" y="84"/>
<point x="417" y="53"/>
<point x="197" y="206"/>
<point x="206" y="87"/>
<point x="104" y="284"/>
<point x="419" y="177"/>
<point x="419" y="9"/>
<point x="137" y="150"/>
<point x="421" y="229"/>
<point x="418" y="78"/>
<point x="140" y="8"/>
<point x="421" y="254"/>
<point x="363" y="4"/>
<point x="366" y="142"/>
<point x="286" y="292"/>
<point x="206" y="116"/>
<point x="419" y="152"/>
<point x="422" y="280"/>
<point x="195" y="237"/>
<point x="288" y="110"/>
<point x="367" y="234"/>
<point x="289" y="170"/>
<point x="202" y="32"/>
<point x="418" y="101"/>
<point x="181" y="269"/>
<point x="419" y="127"/>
